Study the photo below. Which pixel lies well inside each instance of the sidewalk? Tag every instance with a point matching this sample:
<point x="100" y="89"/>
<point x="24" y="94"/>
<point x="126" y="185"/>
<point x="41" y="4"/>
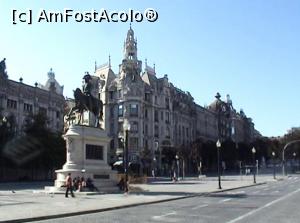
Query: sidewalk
<point x="22" y="204"/>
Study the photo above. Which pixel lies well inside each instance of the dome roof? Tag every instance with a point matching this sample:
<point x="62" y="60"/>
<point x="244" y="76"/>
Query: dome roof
<point x="52" y="82"/>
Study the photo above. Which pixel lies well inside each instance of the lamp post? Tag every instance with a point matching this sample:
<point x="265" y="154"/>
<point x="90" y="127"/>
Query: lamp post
<point x="218" y="144"/>
<point x="177" y="163"/>
<point x="156" y="147"/>
<point x="284" y="148"/>
<point x="126" y="127"/>
<point x="294" y="156"/>
<point x="154" y="167"/>
<point x="253" y="153"/>
<point x="274" y="172"/>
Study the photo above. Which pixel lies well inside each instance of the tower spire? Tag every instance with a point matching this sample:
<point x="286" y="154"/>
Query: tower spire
<point x="130" y="46"/>
<point x="95" y="65"/>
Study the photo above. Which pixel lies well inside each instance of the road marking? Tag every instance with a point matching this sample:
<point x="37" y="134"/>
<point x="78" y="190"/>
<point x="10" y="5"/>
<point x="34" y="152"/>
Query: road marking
<point x="237" y="192"/>
<point x="159" y="217"/>
<point x="225" y="200"/>
<point x="263" y="207"/>
<point x="256" y="192"/>
<point x="200" y="206"/>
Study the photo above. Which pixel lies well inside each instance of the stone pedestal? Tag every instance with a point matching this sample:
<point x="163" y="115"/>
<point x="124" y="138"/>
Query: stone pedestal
<point x="87" y="157"/>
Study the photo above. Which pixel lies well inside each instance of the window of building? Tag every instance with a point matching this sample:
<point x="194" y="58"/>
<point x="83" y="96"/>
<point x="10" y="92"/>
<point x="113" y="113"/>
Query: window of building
<point x="156" y="131"/>
<point x="42" y="110"/>
<point x="94" y="152"/>
<point x="133" y="109"/>
<point x="179" y="131"/>
<point x="168" y="132"/>
<point x="112" y="144"/>
<point x="120" y="93"/>
<point x="134" y="127"/>
<point x="112" y="129"/>
<point x="120" y="143"/>
<point x="147" y="97"/>
<point x="146" y="129"/>
<point x="57" y="114"/>
<point x="111" y="95"/>
<point x="155" y="99"/>
<point x="156" y="116"/>
<point x="120" y="126"/>
<point x="27" y="107"/>
<point x="120" y="110"/>
<point x="133" y="143"/>
<point x="167" y="117"/>
<point x="146" y="113"/>
<point x="162" y="115"/>
<point x="111" y="112"/>
<point x="167" y="103"/>
<point x="11" y="104"/>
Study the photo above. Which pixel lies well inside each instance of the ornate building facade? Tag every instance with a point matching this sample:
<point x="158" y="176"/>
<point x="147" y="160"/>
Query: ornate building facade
<point x="18" y="100"/>
<point x="161" y="116"/>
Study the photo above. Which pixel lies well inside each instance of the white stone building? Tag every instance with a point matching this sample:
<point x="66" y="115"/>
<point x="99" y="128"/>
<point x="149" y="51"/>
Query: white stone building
<point x="161" y="115"/>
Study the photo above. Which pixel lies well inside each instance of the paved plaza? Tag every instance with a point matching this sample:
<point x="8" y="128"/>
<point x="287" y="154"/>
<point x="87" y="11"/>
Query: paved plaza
<point x="21" y="202"/>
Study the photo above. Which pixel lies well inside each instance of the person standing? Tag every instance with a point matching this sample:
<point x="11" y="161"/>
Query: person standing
<point x="69" y="185"/>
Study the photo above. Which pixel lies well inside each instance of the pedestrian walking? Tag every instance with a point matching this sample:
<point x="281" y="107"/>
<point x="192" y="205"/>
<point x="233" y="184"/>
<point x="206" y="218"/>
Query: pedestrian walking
<point x="69" y="185"/>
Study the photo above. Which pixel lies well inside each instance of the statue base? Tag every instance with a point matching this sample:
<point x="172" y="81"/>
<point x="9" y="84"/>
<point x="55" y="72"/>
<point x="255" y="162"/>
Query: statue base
<point x="87" y="157"/>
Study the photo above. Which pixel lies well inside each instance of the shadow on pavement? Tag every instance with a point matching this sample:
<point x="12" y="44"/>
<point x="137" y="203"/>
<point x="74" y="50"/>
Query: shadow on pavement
<point x="239" y="195"/>
<point x="166" y="193"/>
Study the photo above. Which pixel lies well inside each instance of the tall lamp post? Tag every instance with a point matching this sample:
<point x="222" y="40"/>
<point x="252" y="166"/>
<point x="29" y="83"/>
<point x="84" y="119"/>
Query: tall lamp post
<point x="253" y="153"/>
<point x="274" y="171"/>
<point x="284" y="148"/>
<point x="126" y="127"/>
<point x="294" y="156"/>
<point x="218" y="144"/>
<point x="177" y="163"/>
<point x="156" y="147"/>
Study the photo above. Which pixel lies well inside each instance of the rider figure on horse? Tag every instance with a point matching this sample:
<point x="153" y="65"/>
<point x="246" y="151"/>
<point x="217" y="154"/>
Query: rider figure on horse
<point x="87" y="87"/>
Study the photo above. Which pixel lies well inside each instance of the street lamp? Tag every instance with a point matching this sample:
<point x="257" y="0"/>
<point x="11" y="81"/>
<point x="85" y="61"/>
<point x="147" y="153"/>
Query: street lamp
<point x="218" y="144"/>
<point x="253" y="152"/>
<point x="177" y="162"/>
<point x="154" y="166"/>
<point x="156" y="147"/>
<point x="274" y="172"/>
<point x="294" y="155"/>
<point x="126" y="127"/>
<point x="284" y="148"/>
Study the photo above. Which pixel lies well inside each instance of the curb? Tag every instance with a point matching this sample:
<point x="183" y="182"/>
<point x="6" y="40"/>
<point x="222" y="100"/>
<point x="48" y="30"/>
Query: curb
<point x="124" y="206"/>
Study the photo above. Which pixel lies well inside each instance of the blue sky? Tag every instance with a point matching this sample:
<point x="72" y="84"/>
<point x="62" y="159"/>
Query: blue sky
<point x="248" y="49"/>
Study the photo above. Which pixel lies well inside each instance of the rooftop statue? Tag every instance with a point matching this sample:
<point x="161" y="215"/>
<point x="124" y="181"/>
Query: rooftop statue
<point x="3" y="68"/>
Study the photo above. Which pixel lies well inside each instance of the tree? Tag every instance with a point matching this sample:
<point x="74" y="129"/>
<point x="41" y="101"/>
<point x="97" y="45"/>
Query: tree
<point x="38" y="149"/>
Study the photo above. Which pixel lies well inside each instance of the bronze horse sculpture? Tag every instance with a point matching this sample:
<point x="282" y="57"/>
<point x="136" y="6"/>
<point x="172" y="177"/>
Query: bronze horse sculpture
<point x="87" y="103"/>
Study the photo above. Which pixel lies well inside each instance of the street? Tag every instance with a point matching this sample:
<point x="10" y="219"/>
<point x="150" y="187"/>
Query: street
<point x="274" y="201"/>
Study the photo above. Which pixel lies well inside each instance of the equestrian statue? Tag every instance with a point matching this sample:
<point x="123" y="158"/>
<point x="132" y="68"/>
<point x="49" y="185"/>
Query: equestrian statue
<point x="85" y="101"/>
